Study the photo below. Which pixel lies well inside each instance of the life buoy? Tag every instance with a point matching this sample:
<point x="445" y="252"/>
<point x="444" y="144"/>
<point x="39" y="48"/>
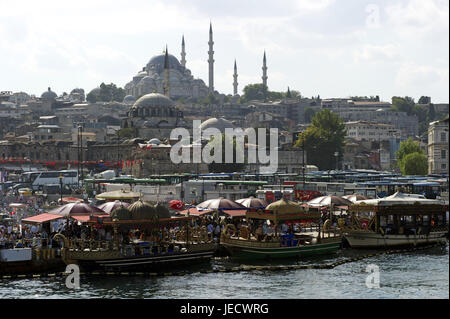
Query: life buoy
<point x="327" y="224"/>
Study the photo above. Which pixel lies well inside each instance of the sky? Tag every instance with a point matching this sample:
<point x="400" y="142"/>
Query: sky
<point x="331" y="48"/>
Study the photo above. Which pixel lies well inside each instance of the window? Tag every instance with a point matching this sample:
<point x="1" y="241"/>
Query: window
<point x="444" y="166"/>
<point x="443" y="137"/>
<point x="443" y="154"/>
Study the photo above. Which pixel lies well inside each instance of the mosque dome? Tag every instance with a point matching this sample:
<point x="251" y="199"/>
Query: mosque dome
<point x="159" y="60"/>
<point x="129" y="99"/>
<point x="49" y="95"/>
<point x="220" y="123"/>
<point x="153" y="100"/>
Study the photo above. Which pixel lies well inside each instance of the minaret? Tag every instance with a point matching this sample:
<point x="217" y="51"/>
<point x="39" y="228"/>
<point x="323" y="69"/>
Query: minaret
<point x="211" y="60"/>
<point x="235" y="83"/>
<point x="183" y="53"/>
<point x="264" y="68"/>
<point x="166" y="74"/>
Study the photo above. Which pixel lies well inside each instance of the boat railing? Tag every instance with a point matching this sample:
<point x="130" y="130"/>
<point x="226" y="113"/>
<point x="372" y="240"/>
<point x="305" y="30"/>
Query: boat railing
<point x="27" y="243"/>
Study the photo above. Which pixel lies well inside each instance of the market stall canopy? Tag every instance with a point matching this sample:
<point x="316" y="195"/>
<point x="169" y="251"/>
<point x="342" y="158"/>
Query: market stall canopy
<point x="355" y="197"/>
<point x="194" y="211"/>
<point x="78" y="209"/>
<point x="108" y="207"/>
<point x="220" y="203"/>
<point x="120" y="195"/>
<point x="399" y="199"/>
<point x="252" y="202"/>
<point x="41" y="218"/>
<point x="329" y="200"/>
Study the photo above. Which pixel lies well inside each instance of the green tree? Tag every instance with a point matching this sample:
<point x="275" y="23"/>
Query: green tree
<point x="407" y="147"/>
<point x="108" y="93"/>
<point x="431" y="113"/>
<point x="414" y="164"/>
<point x="309" y="113"/>
<point x="322" y="139"/>
<point x="424" y="100"/>
<point x="129" y="132"/>
<point x="403" y="104"/>
<point x="256" y="91"/>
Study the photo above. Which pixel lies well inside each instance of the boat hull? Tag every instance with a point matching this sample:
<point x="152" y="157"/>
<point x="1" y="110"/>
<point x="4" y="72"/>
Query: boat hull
<point x="366" y="239"/>
<point x="247" y="250"/>
<point x="91" y="261"/>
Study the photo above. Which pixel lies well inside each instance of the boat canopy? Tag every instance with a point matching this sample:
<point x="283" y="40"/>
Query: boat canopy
<point x="400" y="202"/>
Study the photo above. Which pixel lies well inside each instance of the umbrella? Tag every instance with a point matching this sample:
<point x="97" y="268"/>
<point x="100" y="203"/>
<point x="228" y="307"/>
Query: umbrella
<point x="220" y="203"/>
<point x="252" y="202"/>
<point x="108" y="207"/>
<point x="284" y="206"/>
<point x="76" y="209"/>
<point x="145" y="210"/>
<point x="120" y="195"/>
<point x="329" y="200"/>
<point x="176" y="204"/>
<point x="121" y="213"/>
<point x="355" y="197"/>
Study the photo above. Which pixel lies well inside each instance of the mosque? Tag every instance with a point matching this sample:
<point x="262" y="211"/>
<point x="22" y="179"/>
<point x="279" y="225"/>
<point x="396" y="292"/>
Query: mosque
<point x="173" y="79"/>
<point x="151" y="92"/>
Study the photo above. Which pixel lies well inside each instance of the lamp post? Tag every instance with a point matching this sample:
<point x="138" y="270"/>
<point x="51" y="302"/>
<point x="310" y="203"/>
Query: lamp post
<point x="303" y="166"/>
<point x="61" y="185"/>
<point x="337" y="160"/>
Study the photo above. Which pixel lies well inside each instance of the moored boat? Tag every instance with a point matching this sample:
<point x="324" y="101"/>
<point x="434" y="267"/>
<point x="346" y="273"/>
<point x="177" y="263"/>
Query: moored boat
<point x="314" y="239"/>
<point x="162" y="243"/>
<point x="396" y="220"/>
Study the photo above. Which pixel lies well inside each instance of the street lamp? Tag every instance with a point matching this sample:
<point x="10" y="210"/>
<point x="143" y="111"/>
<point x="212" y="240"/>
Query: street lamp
<point x="337" y="160"/>
<point x="61" y="185"/>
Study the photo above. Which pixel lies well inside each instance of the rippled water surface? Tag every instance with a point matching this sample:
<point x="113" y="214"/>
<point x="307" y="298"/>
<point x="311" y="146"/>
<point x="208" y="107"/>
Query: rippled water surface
<point x="419" y="274"/>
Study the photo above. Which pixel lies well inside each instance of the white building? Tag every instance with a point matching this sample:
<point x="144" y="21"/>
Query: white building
<point x="371" y="131"/>
<point x="438" y="147"/>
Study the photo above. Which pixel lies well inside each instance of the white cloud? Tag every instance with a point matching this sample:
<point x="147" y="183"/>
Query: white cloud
<point x="377" y="53"/>
<point x="309" y="43"/>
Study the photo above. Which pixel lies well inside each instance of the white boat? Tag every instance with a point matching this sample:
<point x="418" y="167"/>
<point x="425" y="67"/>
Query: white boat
<point x="396" y="220"/>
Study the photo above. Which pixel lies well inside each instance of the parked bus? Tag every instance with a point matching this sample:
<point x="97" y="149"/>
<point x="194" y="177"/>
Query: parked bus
<point x="37" y="180"/>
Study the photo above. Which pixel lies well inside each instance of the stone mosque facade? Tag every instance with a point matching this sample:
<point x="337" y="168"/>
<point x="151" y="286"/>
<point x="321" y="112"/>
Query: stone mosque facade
<point x="151" y="79"/>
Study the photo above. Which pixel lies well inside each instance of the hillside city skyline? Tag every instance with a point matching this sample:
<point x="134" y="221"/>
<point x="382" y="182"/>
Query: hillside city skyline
<point x="303" y="54"/>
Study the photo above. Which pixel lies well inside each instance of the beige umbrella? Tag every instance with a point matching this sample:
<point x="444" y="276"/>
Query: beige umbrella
<point x="284" y="206"/>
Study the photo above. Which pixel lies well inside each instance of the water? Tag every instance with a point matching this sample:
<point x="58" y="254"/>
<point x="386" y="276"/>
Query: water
<point x="419" y="274"/>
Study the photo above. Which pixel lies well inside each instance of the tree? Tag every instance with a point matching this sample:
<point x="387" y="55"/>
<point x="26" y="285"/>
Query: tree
<point x="431" y="113"/>
<point x="424" y="100"/>
<point x="414" y="164"/>
<point x="126" y="133"/>
<point x="403" y="104"/>
<point x="322" y="139"/>
<point x="256" y="91"/>
<point x="107" y="93"/>
<point x="406" y="148"/>
<point x="309" y="113"/>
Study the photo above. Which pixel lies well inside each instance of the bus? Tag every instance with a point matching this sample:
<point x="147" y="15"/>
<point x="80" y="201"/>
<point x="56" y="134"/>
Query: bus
<point x="37" y="180"/>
